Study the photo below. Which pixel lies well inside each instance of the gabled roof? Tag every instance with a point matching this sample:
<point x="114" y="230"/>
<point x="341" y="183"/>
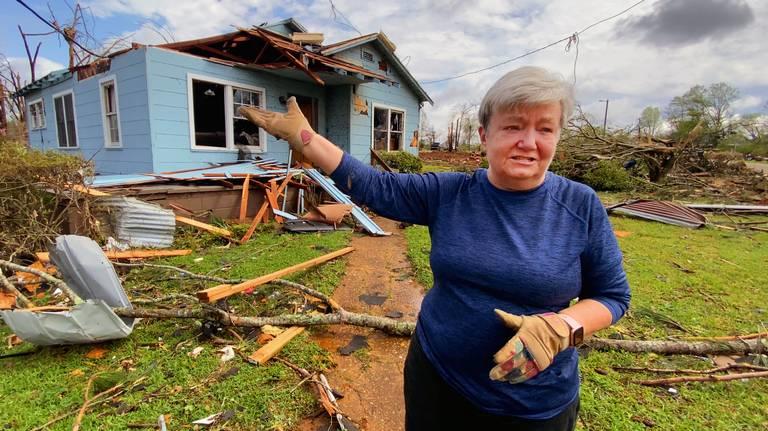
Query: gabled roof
<point x="386" y="46"/>
<point x="288" y="22"/>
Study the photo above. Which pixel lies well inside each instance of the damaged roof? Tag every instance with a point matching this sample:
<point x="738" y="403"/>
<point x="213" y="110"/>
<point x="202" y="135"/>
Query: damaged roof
<point x="381" y="41"/>
<point x="264" y="49"/>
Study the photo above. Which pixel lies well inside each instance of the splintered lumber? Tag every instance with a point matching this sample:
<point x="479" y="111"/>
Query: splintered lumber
<point x="269" y="350"/>
<point x="255" y="222"/>
<point x="89" y="191"/>
<point x="204" y="226"/>
<point x="224" y="290"/>
<point x="273" y="201"/>
<point x="244" y="198"/>
<point x="128" y="254"/>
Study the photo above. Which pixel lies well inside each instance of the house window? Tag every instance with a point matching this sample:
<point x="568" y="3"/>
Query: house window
<point x="367" y="56"/>
<point x="388" y="129"/>
<point x="66" y="133"/>
<point x="37" y="114"/>
<point x="109" y="114"/>
<point x="246" y="133"/>
<point x="215" y="121"/>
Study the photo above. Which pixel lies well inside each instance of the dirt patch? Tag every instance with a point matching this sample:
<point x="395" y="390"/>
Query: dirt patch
<point x="371" y="379"/>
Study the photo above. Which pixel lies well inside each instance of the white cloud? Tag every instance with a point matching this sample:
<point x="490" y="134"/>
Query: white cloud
<point x="443" y="38"/>
<point x="43" y="66"/>
<point x="748" y="102"/>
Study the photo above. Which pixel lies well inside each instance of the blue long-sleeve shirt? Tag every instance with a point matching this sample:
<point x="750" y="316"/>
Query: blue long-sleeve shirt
<point x="523" y="252"/>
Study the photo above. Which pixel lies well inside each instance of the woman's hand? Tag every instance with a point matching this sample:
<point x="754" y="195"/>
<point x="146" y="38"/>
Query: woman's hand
<point x="291" y="126"/>
<point x="538" y="339"/>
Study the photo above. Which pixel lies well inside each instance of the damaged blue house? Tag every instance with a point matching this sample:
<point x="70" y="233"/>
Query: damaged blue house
<point x="172" y="107"/>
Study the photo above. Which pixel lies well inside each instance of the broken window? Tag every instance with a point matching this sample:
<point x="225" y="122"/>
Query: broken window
<point x="217" y="122"/>
<point x="210" y="115"/>
<point x="37" y="114"/>
<point x="64" y="107"/>
<point x="246" y="133"/>
<point x="388" y="126"/>
<point x="109" y="110"/>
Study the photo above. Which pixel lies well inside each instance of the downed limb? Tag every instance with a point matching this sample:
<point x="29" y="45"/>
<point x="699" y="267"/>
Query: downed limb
<point x="45" y="276"/>
<point x="89" y="399"/>
<point x="180" y="270"/>
<point x="724" y="347"/>
<point x="20" y="298"/>
<point x="385" y="324"/>
<point x="688" y="371"/>
<point x="707" y="378"/>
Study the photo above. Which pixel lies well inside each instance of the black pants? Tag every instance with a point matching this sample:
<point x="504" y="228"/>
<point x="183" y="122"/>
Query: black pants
<point x="430" y="404"/>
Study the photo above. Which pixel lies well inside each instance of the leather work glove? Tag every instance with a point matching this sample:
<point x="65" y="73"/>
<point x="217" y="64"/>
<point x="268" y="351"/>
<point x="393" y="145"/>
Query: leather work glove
<point x="291" y="126"/>
<point x="538" y="339"/>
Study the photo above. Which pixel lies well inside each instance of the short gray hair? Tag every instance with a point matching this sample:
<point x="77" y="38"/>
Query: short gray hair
<point x="527" y="85"/>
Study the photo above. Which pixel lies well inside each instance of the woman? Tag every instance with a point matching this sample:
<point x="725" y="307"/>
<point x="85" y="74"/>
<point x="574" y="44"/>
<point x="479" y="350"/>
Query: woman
<point x="512" y="246"/>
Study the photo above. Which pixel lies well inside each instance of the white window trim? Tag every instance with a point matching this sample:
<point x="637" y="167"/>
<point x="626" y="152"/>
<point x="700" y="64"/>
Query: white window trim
<point x="74" y="116"/>
<point x="228" y="113"/>
<point x="42" y="108"/>
<point x="105" y="123"/>
<point x="389" y="108"/>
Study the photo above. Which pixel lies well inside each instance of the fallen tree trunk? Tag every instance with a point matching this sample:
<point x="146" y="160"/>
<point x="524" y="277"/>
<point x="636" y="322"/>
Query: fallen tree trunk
<point x="666" y="347"/>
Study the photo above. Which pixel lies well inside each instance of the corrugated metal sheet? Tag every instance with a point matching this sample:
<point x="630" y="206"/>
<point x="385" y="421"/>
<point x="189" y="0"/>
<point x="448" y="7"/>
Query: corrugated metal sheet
<point x="754" y="209"/>
<point x="139" y="223"/>
<point x="661" y="211"/>
<point x="357" y="213"/>
<point x="261" y="168"/>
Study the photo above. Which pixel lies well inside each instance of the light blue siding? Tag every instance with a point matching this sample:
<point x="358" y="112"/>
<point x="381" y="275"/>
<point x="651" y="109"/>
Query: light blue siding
<point x="135" y="155"/>
<point x="338" y="111"/>
<point x="374" y="93"/>
<point x="169" y="110"/>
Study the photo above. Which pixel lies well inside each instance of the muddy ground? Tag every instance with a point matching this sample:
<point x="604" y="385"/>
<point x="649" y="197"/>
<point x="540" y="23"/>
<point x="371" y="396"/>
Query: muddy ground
<point x="378" y="281"/>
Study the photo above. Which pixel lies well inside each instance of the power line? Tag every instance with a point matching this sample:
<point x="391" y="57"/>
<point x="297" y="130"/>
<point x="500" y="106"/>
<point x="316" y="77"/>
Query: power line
<point x="571" y="38"/>
<point x="58" y="30"/>
<point x="348" y="23"/>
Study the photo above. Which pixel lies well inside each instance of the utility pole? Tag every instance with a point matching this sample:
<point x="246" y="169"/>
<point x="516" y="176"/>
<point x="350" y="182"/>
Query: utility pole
<point x="605" y="117"/>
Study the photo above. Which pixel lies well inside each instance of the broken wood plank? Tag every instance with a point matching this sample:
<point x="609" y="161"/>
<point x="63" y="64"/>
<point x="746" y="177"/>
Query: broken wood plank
<point x="244" y="198"/>
<point x="31" y="281"/>
<point x="88" y="191"/>
<point x="272" y="199"/>
<point x="45" y="257"/>
<point x="204" y="226"/>
<point x="269" y="350"/>
<point x="255" y="222"/>
<point x="224" y="290"/>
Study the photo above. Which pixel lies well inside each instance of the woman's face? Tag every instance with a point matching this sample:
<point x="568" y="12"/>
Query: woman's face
<point x="520" y="144"/>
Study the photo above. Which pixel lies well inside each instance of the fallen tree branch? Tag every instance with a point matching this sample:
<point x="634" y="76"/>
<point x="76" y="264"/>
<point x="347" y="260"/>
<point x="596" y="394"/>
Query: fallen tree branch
<point x="22" y="300"/>
<point x="390" y="326"/>
<point x="728" y="337"/>
<point x="45" y="276"/>
<point x="687" y="371"/>
<point x="180" y="270"/>
<point x="708" y="378"/>
<point x="724" y="347"/>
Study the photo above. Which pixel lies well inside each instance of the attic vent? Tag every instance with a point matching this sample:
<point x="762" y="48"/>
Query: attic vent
<point x="367" y="55"/>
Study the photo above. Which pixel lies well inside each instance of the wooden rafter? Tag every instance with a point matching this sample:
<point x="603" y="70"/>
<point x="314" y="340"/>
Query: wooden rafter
<point x="224" y="54"/>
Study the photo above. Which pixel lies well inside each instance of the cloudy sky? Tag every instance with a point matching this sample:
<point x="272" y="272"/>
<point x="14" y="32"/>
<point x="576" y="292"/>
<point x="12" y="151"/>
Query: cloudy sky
<point x="644" y="57"/>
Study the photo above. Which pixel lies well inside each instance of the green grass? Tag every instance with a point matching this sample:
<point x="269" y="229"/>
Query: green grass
<point x="45" y="384"/>
<point x="724" y="294"/>
<point x="419" y="245"/>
